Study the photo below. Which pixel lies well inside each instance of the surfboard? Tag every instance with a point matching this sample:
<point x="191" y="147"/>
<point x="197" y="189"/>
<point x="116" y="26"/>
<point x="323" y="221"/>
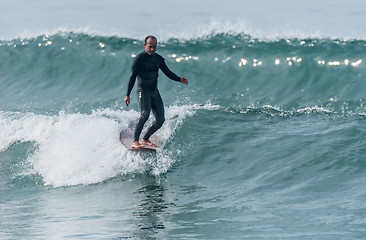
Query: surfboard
<point x="126" y="138"/>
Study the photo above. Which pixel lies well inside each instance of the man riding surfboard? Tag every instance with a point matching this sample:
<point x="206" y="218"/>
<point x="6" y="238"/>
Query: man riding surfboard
<point x="145" y="67"/>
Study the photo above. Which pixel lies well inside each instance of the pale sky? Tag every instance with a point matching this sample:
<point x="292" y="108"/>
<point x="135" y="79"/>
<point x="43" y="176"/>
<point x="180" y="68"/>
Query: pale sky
<point x="176" y="18"/>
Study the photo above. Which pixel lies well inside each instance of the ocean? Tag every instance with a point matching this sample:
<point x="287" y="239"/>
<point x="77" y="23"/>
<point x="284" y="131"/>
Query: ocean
<point x="267" y="140"/>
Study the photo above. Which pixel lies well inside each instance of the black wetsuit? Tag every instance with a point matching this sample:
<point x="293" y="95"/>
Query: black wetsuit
<point x="146" y="67"/>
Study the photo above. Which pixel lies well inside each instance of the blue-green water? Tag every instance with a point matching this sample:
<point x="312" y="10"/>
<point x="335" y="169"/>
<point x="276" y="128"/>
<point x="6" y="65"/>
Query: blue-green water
<point x="266" y="142"/>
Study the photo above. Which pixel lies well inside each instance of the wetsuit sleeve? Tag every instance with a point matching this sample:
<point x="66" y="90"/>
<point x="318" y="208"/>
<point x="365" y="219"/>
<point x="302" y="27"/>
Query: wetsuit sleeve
<point x="168" y="72"/>
<point x="131" y="82"/>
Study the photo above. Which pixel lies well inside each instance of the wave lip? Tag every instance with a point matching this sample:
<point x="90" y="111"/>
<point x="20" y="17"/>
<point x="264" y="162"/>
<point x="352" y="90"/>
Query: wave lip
<point x="267" y="21"/>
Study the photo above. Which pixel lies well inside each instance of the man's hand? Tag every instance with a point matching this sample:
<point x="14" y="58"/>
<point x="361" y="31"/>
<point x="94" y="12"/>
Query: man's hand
<point x="184" y="80"/>
<point x="127" y="100"/>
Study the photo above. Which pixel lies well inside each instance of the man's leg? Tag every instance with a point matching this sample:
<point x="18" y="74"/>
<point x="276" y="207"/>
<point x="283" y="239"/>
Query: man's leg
<point x="144" y="99"/>
<point x="157" y="108"/>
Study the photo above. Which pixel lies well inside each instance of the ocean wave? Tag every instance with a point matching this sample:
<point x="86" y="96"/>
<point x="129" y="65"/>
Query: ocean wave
<point x="55" y="71"/>
<point x="73" y="149"/>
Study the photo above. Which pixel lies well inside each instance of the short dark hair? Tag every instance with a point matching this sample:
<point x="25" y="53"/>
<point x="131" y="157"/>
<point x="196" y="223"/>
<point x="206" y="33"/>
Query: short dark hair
<point x="150" y="36"/>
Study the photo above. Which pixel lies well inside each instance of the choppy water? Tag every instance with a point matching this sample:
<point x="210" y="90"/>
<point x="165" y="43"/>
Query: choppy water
<point x="266" y="142"/>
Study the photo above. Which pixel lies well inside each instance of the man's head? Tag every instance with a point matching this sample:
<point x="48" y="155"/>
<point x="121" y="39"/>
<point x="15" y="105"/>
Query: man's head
<point x="150" y="45"/>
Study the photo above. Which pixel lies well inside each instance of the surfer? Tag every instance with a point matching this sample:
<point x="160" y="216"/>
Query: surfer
<point x="145" y="67"/>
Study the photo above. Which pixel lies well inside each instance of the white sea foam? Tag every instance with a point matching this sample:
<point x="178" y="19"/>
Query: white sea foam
<point x="80" y="148"/>
<point x="315" y="109"/>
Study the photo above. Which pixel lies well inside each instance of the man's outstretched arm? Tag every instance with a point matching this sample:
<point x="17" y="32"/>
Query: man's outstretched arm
<point x="172" y="75"/>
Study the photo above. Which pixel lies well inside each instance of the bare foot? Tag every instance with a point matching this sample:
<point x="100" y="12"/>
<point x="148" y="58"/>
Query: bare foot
<point x="148" y="143"/>
<point x="136" y="145"/>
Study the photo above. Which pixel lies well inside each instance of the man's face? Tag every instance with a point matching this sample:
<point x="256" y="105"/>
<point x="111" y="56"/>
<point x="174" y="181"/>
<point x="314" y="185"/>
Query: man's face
<point x="150" y="46"/>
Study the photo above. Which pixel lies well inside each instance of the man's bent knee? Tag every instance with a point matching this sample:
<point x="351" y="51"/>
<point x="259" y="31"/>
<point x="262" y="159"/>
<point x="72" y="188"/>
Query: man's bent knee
<point x="144" y="116"/>
<point x="160" y="121"/>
